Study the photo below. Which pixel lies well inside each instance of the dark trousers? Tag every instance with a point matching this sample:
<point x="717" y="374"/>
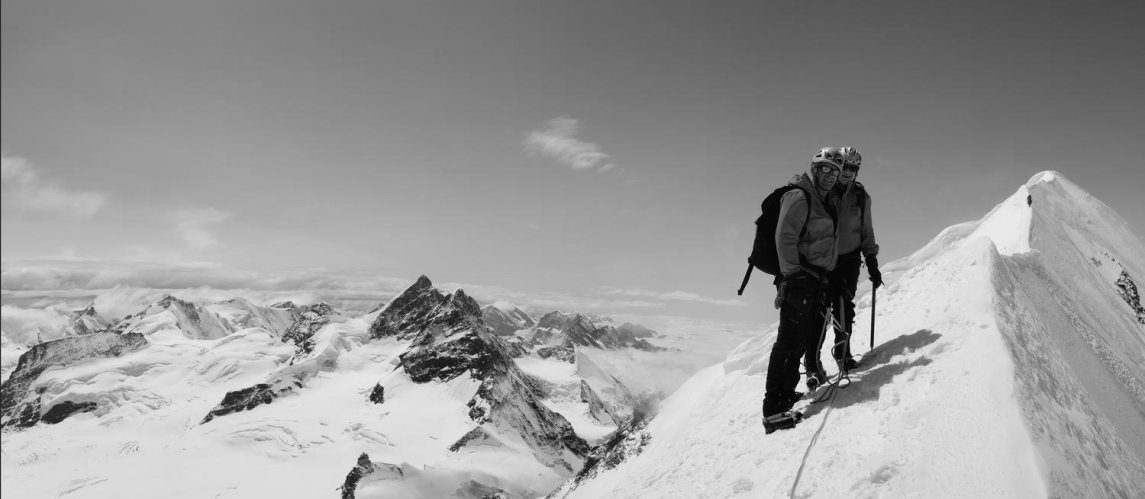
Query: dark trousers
<point x="841" y="296"/>
<point x="845" y="279"/>
<point x="800" y="322"/>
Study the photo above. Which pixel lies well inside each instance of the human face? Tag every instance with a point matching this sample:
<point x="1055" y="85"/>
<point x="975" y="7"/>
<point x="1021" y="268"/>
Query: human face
<point x="826" y="175"/>
<point x="850" y="171"/>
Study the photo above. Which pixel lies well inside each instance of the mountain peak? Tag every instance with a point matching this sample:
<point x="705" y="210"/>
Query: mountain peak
<point x="1045" y="176"/>
<point x="422" y="282"/>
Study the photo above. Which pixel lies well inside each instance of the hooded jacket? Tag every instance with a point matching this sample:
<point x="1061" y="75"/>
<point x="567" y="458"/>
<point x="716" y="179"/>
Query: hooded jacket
<point x="811" y="249"/>
<point x="856" y="229"/>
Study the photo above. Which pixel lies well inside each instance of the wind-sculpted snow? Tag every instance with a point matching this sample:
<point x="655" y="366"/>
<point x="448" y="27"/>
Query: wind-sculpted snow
<point x="22" y="401"/>
<point x="1008" y="363"/>
<point x="242" y="314"/>
<point x="171" y="313"/>
<point x="316" y="353"/>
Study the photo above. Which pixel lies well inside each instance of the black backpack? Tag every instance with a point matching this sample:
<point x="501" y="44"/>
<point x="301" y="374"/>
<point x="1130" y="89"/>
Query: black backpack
<point x="763" y="253"/>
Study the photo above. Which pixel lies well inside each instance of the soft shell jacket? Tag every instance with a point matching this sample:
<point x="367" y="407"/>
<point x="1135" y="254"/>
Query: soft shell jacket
<point x="814" y="246"/>
<point x="856" y="229"/>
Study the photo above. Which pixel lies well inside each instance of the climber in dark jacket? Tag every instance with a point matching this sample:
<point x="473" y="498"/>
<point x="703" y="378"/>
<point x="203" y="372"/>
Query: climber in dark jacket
<point x="856" y="243"/>
<point x="805" y="242"/>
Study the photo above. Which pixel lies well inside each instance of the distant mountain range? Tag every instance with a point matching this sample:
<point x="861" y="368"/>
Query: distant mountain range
<point x="427" y="381"/>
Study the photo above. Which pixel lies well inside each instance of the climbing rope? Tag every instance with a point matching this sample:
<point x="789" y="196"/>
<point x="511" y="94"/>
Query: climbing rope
<point x="842" y="380"/>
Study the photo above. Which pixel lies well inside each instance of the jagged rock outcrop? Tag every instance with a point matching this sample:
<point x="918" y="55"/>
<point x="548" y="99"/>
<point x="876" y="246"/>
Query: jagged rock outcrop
<point x="368" y="470"/>
<point x="309" y="321"/>
<point x="1128" y="291"/>
<point x="241" y="400"/>
<point x="19" y="406"/>
<point x="564" y="354"/>
<point x="515" y="345"/>
<point x="63" y="410"/>
<point x="622" y="445"/>
<point x="378" y="394"/>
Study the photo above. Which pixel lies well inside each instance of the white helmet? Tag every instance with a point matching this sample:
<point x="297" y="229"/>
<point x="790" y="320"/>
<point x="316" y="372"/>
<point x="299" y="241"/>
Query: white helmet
<point x="851" y="155"/>
<point x="828" y="155"/>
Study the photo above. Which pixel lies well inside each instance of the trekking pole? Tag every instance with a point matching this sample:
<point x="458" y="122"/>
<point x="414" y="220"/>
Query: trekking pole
<point x="874" y="290"/>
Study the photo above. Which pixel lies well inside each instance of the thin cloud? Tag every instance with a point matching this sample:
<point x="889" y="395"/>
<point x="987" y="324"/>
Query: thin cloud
<point x="27" y="190"/>
<point x="670" y="296"/>
<point x="558" y="141"/>
<point x="191" y="226"/>
<point x="547" y="301"/>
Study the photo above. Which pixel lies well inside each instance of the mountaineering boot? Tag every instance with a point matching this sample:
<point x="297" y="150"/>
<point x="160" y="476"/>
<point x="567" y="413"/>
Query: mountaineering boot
<point x="843" y="357"/>
<point x="815" y="380"/>
<point x="850" y="364"/>
<point x="781" y="421"/>
<point x="788" y="401"/>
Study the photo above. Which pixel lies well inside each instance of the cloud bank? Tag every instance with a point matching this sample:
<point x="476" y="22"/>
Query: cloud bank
<point x="670" y="296"/>
<point x="25" y="189"/>
<point x="558" y="141"/>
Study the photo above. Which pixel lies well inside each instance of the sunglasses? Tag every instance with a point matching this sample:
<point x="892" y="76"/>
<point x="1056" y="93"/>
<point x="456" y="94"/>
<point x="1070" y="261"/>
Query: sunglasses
<point x="851" y="167"/>
<point x="828" y="170"/>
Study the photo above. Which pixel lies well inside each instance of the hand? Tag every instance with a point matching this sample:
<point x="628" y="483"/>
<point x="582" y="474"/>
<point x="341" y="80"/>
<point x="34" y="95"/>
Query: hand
<point x="874" y="272"/>
<point x="781" y="294"/>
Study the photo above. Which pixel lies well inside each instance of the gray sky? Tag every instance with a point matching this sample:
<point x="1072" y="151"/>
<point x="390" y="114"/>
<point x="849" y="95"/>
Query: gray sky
<point x="611" y="154"/>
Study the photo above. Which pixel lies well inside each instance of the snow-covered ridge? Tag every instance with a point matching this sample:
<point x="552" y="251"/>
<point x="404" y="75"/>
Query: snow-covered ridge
<point x="1009" y="363"/>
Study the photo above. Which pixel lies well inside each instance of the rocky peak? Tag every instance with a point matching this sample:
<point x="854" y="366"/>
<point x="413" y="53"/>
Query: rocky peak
<point x="451" y="340"/>
<point x="86" y="321"/>
<point x="310" y="320"/>
<point x="406" y="314"/>
<point x="506" y="322"/>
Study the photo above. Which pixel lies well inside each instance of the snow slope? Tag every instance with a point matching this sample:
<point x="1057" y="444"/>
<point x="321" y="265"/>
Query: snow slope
<point x="418" y="393"/>
<point x="1008" y="364"/>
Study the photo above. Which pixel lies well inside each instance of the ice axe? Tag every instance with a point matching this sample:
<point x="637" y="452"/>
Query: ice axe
<point x="874" y="290"/>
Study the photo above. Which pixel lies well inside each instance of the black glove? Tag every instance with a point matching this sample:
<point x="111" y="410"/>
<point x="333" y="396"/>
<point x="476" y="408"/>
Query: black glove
<point x="873" y="271"/>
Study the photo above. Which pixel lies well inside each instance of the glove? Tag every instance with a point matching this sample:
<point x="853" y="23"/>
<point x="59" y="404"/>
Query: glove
<point x="873" y="271"/>
<point x="781" y="293"/>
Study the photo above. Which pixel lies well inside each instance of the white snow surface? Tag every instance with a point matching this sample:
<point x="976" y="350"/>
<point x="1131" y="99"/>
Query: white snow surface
<point x="146" y="438"/>
<point x="1005" y="365"/>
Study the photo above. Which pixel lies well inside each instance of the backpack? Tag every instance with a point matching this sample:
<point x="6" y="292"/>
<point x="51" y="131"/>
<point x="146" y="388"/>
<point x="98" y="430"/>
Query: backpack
<point x="764" y="255"/>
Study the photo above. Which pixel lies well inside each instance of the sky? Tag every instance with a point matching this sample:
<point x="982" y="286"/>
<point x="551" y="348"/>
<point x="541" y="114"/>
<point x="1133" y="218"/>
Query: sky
<point x="606" y="157"/>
